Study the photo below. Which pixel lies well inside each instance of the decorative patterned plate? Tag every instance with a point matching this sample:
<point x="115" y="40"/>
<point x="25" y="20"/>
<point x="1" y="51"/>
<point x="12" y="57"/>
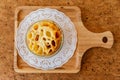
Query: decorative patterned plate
<point x="69" y="41"/>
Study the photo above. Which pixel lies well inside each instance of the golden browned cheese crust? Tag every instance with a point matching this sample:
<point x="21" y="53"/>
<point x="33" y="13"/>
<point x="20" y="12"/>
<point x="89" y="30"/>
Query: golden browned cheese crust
<point x="44" y="38"/>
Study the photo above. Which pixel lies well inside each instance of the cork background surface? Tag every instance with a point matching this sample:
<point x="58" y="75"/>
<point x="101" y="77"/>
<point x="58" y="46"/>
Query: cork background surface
<point x="97" y="63"/>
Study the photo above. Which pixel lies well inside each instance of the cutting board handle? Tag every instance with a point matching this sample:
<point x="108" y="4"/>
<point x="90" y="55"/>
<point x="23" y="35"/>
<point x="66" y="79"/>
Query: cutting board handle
<point x="88" y="39"/>
<point x="104" y="39"/>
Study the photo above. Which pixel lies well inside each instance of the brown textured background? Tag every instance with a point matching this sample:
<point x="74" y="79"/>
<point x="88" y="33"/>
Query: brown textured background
<point x="97" y="63"/>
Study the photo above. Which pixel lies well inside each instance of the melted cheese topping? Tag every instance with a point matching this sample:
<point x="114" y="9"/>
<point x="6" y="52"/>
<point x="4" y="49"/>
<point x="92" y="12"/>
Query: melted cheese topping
<point x="44" y="38"/>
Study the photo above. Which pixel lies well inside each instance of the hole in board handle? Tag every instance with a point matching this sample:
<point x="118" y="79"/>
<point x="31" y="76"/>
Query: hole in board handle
<point x="105" y="39"/>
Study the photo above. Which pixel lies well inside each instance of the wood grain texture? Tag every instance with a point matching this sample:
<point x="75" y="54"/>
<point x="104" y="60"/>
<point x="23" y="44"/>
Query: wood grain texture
<point x="86" y="40"/>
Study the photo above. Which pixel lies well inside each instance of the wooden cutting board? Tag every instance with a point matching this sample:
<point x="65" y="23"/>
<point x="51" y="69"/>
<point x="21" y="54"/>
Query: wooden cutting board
<point x="86" y="40"/>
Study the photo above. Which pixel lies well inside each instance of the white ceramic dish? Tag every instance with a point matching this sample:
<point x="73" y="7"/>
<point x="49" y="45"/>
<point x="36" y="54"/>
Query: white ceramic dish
<point x="69" y="41"/>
